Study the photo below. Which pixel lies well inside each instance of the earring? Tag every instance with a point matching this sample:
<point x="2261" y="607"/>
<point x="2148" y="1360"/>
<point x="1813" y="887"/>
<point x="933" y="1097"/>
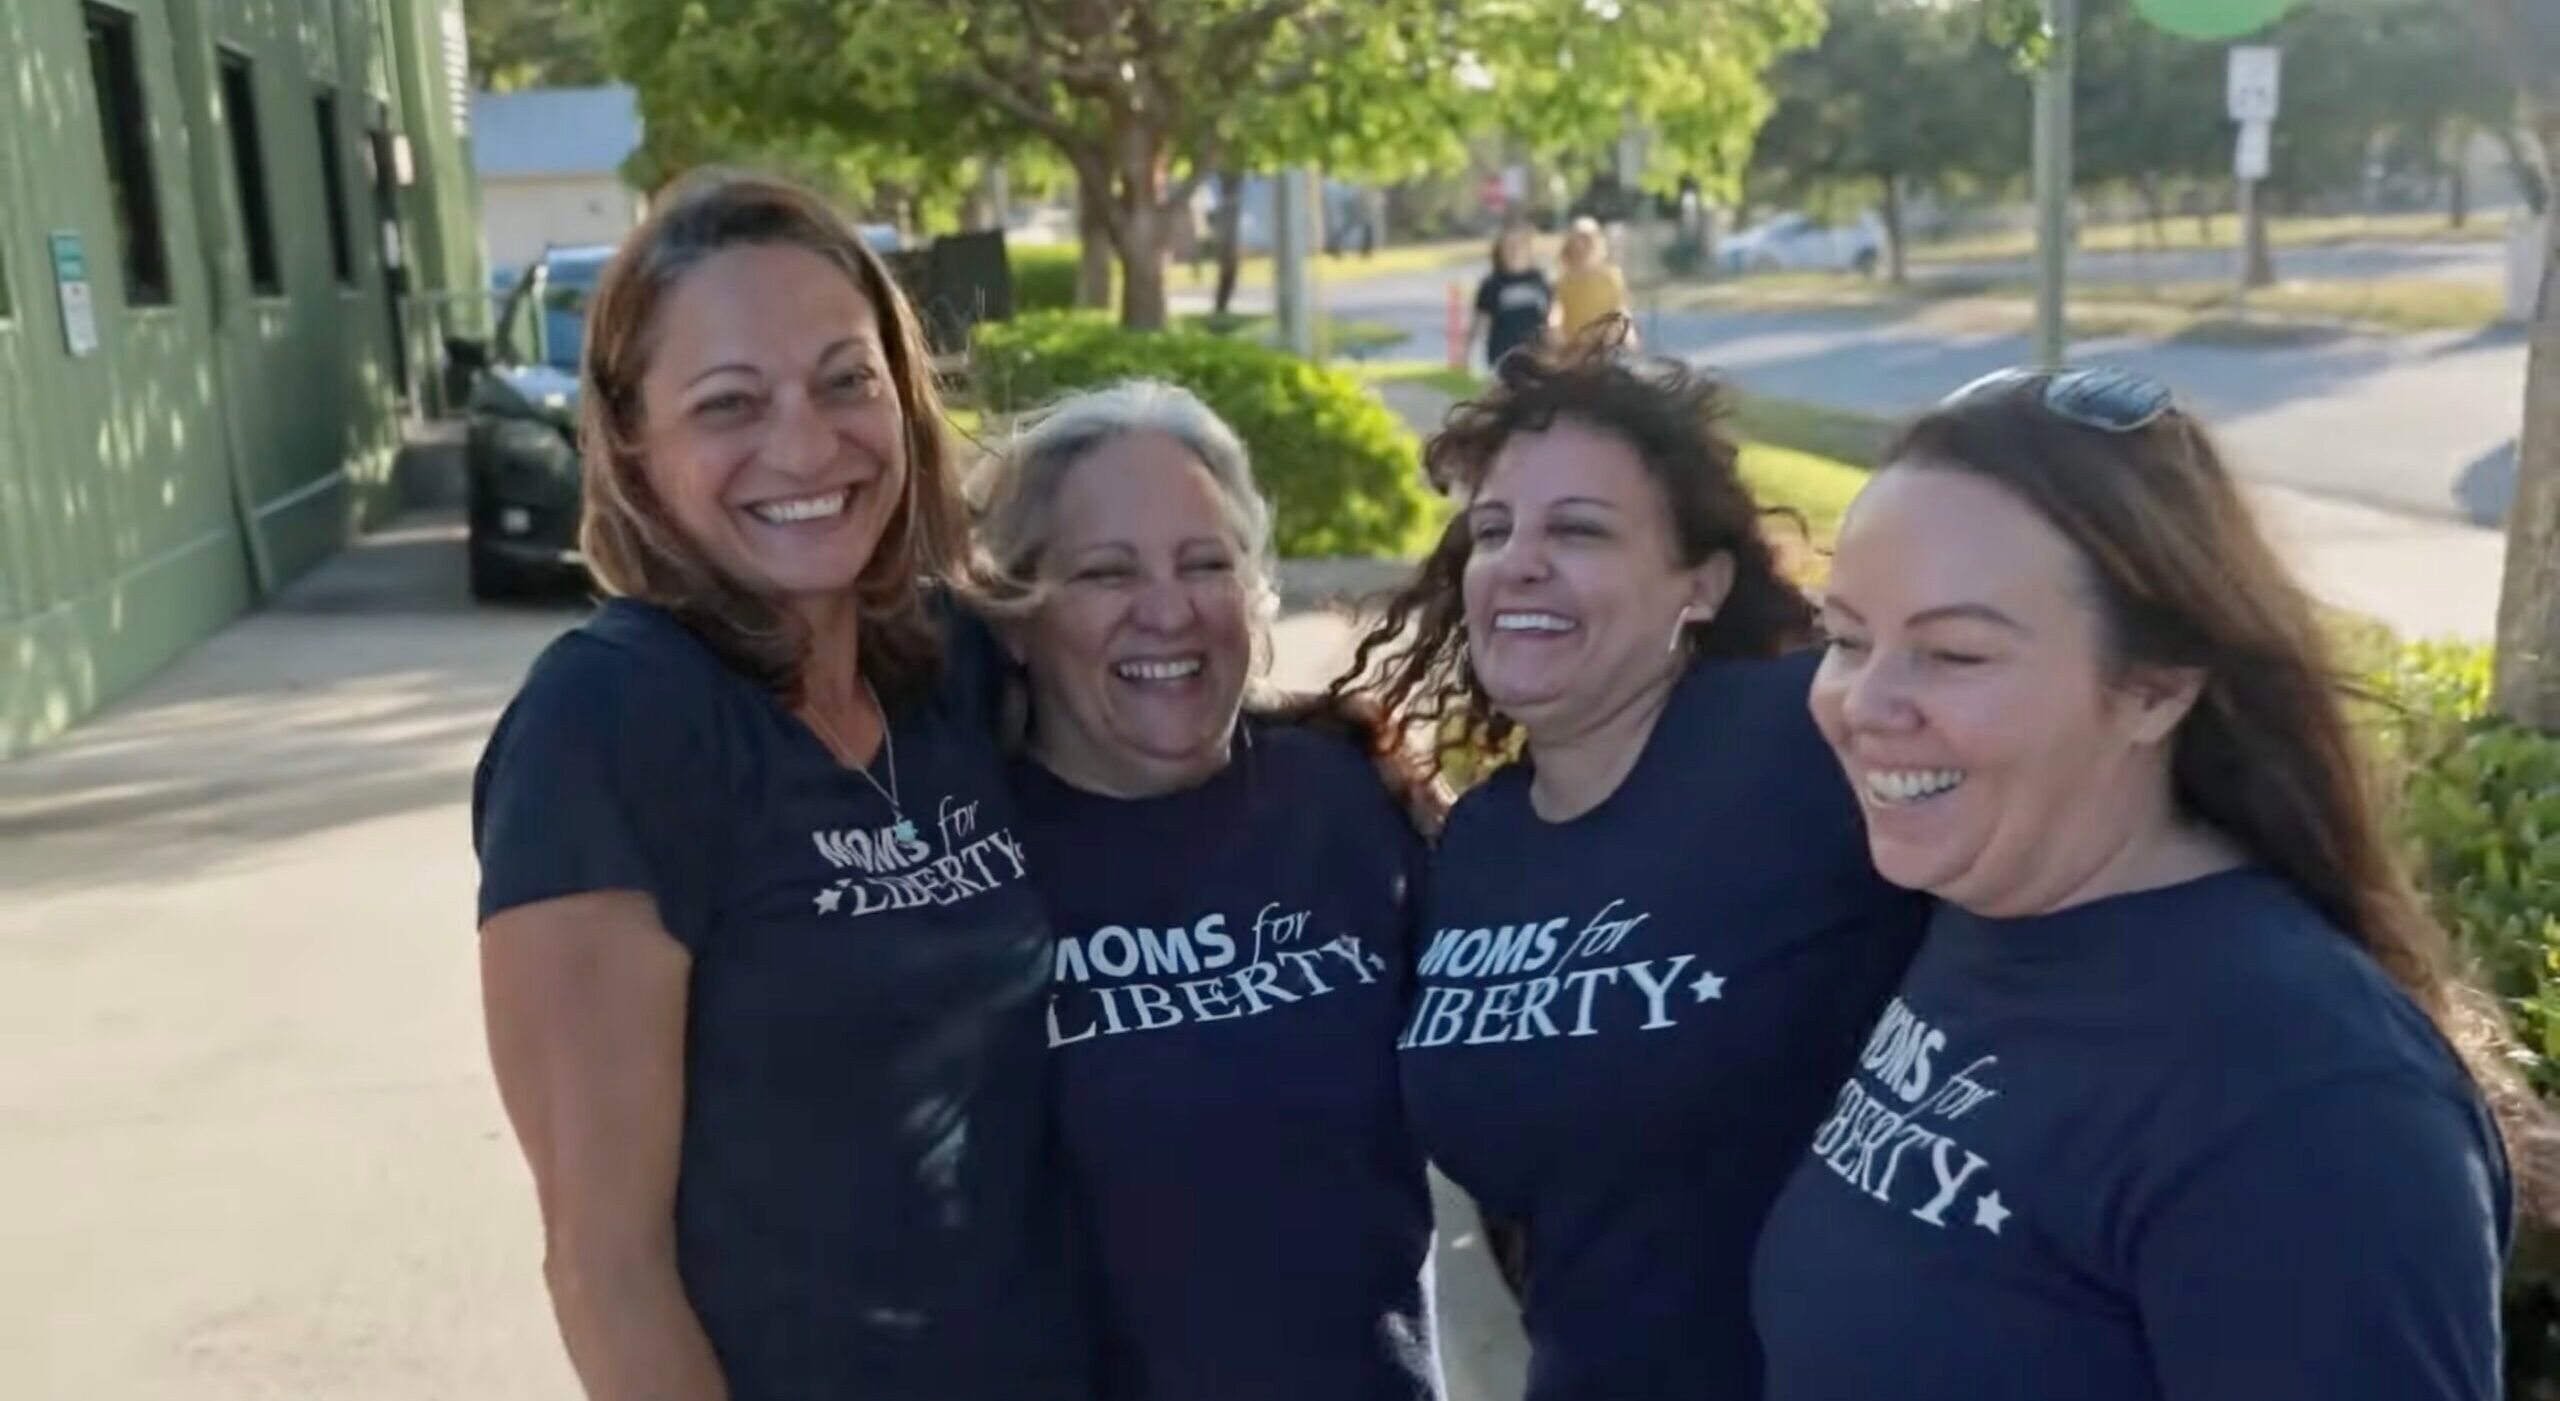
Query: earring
<point x="1679" y="629"/>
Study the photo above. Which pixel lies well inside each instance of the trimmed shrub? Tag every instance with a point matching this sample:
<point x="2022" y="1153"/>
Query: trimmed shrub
<point x="1343" y="473"/>
<point x="1044" y="277"/>
<point x="2480" y="807"/>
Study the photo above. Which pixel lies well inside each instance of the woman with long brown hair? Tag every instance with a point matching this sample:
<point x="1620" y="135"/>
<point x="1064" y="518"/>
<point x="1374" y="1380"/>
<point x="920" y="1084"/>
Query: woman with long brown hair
<point x="763" y="973"/>
<point x="2168" y="1107"/>
<point x="1651" y="944"/>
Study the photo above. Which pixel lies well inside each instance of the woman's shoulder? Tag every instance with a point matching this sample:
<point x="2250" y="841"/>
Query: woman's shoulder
<point x="630" y="676"/>
<point x="2269" y="996"/>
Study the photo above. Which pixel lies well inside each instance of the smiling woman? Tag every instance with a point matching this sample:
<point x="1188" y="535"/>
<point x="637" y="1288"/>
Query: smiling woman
<point x="763" y="970"/>
<point x="1232" y="896"/>
<point x="2177" y="1056"/>
<point x="1652" y="943"/>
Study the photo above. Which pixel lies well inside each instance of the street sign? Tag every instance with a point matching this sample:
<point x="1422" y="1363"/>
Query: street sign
<point x="2257" y="72"/>
<point x="2255" y="155"/>
<point x="2213" y="19"/>
<point x="71" y="287"/>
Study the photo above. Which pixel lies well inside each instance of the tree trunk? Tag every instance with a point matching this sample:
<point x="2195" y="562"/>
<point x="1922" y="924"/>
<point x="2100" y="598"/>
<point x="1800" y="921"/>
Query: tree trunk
<point x="2455" y="155"/>
<point x="2155" y="205"/>
<point x="1229" y="235"/>
<point x="2257" y="257"/>
<point x="1143" y="254"/>
<point x="2529" y="605"/>
<point x="1094" y="246"/>
<point x="1897" y="264"/>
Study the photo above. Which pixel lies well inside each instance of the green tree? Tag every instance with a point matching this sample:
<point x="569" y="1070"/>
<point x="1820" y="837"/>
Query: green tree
<point x="534" y="44"/>
<point x="1144" y="100"/>
<point x="1900" y="93"/>
<point x="2525" y="36"/>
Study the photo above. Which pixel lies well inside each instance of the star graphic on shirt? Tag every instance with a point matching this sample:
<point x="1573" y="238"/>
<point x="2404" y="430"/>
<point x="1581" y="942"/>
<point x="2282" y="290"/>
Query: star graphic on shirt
<point x="905" y="831"/>
<point x="1988" y="1213"/>
<point x="828" y="898"/>
<point x="1708" y="987"/>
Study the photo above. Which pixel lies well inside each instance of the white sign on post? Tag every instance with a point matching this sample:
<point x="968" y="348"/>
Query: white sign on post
<point x="2257" y="149"/>
<point x="71" y="287"/>
<point x="2256" y="80"/>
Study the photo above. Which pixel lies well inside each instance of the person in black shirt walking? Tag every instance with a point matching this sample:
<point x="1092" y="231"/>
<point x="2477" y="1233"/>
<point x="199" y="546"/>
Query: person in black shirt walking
<point x="1515" y="304"/>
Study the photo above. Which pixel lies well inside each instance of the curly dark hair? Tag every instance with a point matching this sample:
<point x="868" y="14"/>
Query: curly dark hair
<point x="1413" y="660"/>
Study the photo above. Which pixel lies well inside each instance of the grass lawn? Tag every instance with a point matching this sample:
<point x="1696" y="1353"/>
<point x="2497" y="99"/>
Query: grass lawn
<point x="1398" y="258"/>
<point x="1457" y="384"/>
<point x="2223" y="231"/>
<point x="1343" y="336"/>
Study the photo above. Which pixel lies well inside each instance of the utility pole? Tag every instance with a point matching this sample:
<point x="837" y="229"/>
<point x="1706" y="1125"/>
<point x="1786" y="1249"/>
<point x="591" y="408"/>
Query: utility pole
<point x="1293" y="218"/>
<point x="2053" y="182"/>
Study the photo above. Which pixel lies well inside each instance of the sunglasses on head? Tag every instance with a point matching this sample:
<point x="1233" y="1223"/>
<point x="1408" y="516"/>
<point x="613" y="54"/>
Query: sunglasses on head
<point x="2111" y="401"/>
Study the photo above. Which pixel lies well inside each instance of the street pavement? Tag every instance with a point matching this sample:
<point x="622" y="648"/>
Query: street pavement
<point x="2478" y="263"/>
<point x="2385" y="464"/>
<point x="249" y="1148"/>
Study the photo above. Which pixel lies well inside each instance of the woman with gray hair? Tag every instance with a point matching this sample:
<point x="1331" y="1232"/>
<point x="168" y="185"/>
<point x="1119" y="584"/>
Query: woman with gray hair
<point x="1230" y="895"/>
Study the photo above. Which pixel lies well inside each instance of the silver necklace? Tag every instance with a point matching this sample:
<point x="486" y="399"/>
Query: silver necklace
<point x="905" y="830"/>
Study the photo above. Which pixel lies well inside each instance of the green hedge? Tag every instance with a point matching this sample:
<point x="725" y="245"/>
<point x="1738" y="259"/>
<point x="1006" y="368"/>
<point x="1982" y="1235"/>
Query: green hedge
<point x="1044" y="277"/>
<point x="2480" y="809"/>
<point x="1343" y="473"/>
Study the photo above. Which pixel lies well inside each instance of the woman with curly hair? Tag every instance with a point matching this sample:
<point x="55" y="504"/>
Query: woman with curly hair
<point x="1653" y="942"/>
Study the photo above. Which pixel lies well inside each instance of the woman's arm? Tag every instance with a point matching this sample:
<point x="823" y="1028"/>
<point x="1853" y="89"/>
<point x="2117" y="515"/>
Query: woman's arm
<point x="585" y="997"/>
<point x="2345" y="1247"/>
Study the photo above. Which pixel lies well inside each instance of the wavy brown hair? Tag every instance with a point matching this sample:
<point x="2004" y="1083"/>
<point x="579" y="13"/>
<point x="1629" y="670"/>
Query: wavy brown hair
<point x="1413" y="660"/>
<point x="631" y="541"/>
<point x="2183" y="578"/>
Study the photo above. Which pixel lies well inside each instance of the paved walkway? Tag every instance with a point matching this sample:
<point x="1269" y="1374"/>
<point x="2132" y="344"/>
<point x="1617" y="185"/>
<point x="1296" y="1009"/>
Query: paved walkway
<point x="248" y="1144"/>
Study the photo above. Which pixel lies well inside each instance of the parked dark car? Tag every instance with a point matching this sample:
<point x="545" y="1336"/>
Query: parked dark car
<point x="521" y="458"/>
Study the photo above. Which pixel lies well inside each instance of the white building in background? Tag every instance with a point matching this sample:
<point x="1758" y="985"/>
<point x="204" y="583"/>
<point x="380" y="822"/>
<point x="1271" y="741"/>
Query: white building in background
<point x="550" y="165"/>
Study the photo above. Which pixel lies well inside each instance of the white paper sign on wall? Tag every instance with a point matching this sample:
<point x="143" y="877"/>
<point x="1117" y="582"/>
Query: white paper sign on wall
<point x="71" y="286"/>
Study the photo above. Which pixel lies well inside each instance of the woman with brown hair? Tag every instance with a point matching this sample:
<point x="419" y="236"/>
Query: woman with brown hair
<point x="763" y="974"/>
<point x="2166" y="1107"/>
<point x="1651" y="944"/>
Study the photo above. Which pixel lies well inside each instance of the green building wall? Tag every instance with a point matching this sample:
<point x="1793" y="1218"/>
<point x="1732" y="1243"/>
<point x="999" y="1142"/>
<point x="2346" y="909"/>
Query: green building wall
<point x="215" y="447"/>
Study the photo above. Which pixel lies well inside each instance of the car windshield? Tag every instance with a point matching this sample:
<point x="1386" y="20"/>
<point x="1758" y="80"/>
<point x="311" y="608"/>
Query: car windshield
<point x="568" y="280"/>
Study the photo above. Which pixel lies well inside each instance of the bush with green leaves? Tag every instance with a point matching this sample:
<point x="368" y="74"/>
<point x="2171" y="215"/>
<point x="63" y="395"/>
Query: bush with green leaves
<point x="1044" y="276"/>
<point x="2480" y="809"/>
<point x="2480" y="805"/>
<point x="1343" y="473"/>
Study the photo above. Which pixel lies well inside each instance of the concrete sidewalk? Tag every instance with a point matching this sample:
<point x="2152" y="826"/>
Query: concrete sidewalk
<point x="248" y="1143"/>
<point x="2424" y="576"/>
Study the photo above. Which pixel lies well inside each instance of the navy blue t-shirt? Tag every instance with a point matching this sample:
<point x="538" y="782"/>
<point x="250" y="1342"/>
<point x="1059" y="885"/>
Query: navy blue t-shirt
<point x="867" y="1206"/>
<point x="1231" y="969"/>
<point x="2188" y="1143"/>
<point x="1629" y="1023"/>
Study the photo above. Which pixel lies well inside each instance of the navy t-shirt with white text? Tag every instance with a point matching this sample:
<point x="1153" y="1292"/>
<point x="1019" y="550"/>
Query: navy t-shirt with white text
<point x="1627" y="1025"/>
<point x="1231" y="968"/>
<point x="2186" y="1143"/>
<point x="867" y="1207"/>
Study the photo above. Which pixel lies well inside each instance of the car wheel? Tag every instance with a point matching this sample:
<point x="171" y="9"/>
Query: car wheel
<point x="1866" y="263"/>
<point x="495" y="579"/>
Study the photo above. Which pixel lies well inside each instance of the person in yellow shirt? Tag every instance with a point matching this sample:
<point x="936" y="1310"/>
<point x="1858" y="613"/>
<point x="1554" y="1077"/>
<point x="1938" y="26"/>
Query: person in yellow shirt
<point x="1590" y="287"/>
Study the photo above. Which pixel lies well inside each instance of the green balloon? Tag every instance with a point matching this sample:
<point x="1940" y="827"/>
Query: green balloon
<point x="2213" y="19"/>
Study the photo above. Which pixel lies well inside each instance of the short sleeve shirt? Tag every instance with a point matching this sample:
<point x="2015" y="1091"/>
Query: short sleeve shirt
<point x="1516" y="304"/>
<point x="1627" y="1025"/>
<point x="866" y="1207"/>
<point x="2187" y="1143"/>
<point x="1231" y="970"/>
